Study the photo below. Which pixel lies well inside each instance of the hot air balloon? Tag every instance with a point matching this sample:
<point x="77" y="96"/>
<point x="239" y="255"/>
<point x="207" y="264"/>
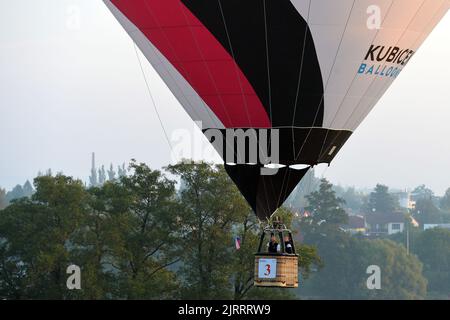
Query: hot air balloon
<point x="305" y="71"/>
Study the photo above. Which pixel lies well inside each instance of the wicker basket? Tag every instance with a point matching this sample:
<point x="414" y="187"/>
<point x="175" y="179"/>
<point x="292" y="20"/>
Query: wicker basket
<point x="286" y="271"/>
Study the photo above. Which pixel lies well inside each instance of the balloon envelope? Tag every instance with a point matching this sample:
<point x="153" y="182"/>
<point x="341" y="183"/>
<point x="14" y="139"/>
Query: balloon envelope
<point x="310" y="69"/>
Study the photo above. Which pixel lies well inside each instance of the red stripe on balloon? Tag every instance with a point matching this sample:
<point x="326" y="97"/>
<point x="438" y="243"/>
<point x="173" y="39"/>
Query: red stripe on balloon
<point x="199" y="58"/>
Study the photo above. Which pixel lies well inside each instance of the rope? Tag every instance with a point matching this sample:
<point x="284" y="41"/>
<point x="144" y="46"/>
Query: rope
<point x="300" y="75"/>
<point x="152" y="98"/>
<point x="268" y="60"/>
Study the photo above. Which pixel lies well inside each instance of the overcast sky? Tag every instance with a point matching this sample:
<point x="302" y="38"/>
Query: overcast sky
<point x="68" y="89"/>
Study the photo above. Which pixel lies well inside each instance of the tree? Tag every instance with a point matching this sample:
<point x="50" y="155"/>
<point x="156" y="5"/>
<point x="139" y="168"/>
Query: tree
<point x="101" y="175"/>
<point x="93" y="181"/>
<point x="409" y="236"/>
<point x="122" y="235"/>
<point x="19" y="192"/>
<point x="354" y="199"/>
<point x="325" y="207"/>
<point x="149" y="236"/>
<point x="445" y="201"/>
<point x="15" y="193"/>
<point x="111" y="173"/>
<point x="213" y="214"/>
<point x="121" y="171"/>
<point x="346" y="260"/>
<point x="37" y="233"/>
<point x="27" y="189"/>
<point x="211" y="205"/>
<point x="425" y="211"/>
<point x="3" y="200"/>
<point x="380" y="200"/>
<point x="402" y="274"/>
<point x="135" y="238"/>
<point x="422" y="192"/>
<point x="433" y="249"/>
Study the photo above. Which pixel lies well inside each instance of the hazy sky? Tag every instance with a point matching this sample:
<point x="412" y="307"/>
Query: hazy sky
<point x="70" y="86"/>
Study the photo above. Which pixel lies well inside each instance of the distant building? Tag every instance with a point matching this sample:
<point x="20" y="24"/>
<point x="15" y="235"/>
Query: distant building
<point x="356" y="224"/>
<point x="427" y="226"/>
<point x="379" y="224"/>
<point x="405" y="199"/>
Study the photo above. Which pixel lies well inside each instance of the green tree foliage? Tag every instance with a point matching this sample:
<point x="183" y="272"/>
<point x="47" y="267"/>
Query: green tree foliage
<point x="93" y="180"/>
<point x="214" y="213"/>
<point x="27" y="189"/>
<point x="445" y="201"/>
<point x="433" y="249"/>
<point x="325" y="207"/>
<point x="36" y="236"/>
<point x="134" y="238"/>
<point x="149" y="238"/>
<point x="19" y="192"/>
<point x="211" y="205"/>
<point x="410" y="233"/>
<point x="354" y="199"/>
<point x="380" y="200"/>
<point x="111" y="173"/>
<point x="422" y="192"/>
<point x="346" y="260"/>
<point x="243" y="259"/>
<point x="101" y="175"/>
<point x="401" y="274"/>
<point x="121" y="170"/>
<point x="3" y="200"/>
<point x="426" y="211"/>
<point x="121" y="235"/>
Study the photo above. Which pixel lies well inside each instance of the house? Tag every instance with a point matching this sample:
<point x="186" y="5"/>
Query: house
<point x="379" y="224"/>
<point x="356" y="224"/>
<point x="427" y="226"/>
